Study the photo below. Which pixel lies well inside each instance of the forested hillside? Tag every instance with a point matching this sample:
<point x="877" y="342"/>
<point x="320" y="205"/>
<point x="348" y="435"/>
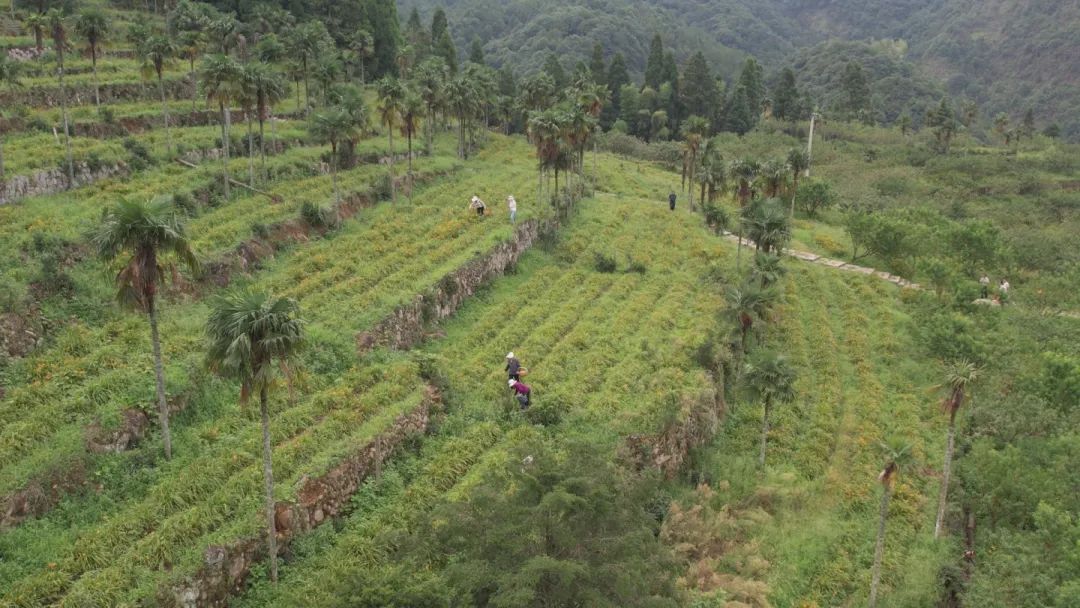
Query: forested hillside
<point x="1006" y="56"/>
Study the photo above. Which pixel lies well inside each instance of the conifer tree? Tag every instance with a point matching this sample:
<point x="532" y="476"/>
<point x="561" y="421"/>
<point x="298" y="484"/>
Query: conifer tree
<point x="597" y="67"/>
<point x="752" y="81"/>
<point x="740" y="119"/>
<point x="617" y="77"/>
<point x="444" y="47"/>
<point x="476" y="52"/>
<point x="785" y="96"/>
<point x="699" y="90"/>
<point x="855" y="90"/>
<point x="654" y="66"/>
<point x="554" y="68"/>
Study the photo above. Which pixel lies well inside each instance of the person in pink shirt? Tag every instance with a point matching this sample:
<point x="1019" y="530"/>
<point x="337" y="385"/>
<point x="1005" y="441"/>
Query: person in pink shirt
<point x="521" y="393"/>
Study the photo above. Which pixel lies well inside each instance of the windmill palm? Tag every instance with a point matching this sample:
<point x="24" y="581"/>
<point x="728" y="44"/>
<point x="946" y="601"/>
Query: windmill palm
<point x="773" y="174"/>
<point x="253" y="336"/>
<point x="304" y="44"/>
<point x="248" y="98"/>
<point x="58" y="31"/>
<point x="37" y="24"/>
<point x="222" y="80"/>
<point x="768" y="268"/>
<point x="430" y="79"/>
<point x="10" y="77"/>
<point x="592" y="98"/>
<point x="460" y="97"/>
<point x="190" y="46"/>
<point x="747" y="305"/>
<point x="797" y="161"/>
<point x="146" y="235"/>
<point x="363" y="44"/>
<point x="959" y="377"/>
<point x="543" y="130"/>
<point x="897" y="456"/>
<point x="326" y="71"/>
<point x="159" y="52"/>
<point x="333" y="126"/>
<point x="769" y="378"/>
<point x="743" y="172"/>
<point x="412" y="109"/>
<point x="269" y="88"/>
<point x="391" y="99"/>
<point x="694" y="129"/>
<point x="711" y="174"/>
<point x="92" y="25"/>
<point x="767" y="224"/>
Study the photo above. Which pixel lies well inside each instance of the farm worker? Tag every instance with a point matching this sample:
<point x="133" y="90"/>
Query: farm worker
<point x="671" y="200"/>
<point x="1003" y="287"/>
<point x="521" y="393"/>
<point x="512" y="205"/>
<point x="476" y="203"/>
<point x="513" y="367"/>
<point x="985" y="282"/>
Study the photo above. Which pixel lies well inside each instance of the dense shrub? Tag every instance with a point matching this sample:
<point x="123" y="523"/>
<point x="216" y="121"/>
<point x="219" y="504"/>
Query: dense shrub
<point x="139" y="156"/>
<point x="604" y="262"/>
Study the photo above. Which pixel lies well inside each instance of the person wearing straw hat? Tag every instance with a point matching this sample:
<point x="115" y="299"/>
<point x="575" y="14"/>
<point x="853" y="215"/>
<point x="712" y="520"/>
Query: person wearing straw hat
<point x="513" y="367"/>
<point x="512" y="205"/>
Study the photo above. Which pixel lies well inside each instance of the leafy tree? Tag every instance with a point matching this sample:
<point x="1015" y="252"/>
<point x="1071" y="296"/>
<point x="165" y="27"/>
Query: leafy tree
<point x="1029" y="123"/>
<point x="58" y="32"/>
<point x="856" y="91"/>
<point x="959" y="377"/>
<point x="699" y="91"/>
<point x="145" y="235"/>
<point x="252" y="336"/>
<point x="552" y="525"/>
<point x="553" y="67"/>
<point x="896" y="458"/>
<point x="785" y="96"/>
<point x="769" y="378"/>
<point x="391" y="100"/>
<point x="10" y="77"/>
<point x="222" y="80"/>
<point x="1053" y="131"/>
<point x="904" y="123"/>
<point x="597" y="67"/>
<point x="877" y="234"/>
<point x="815" y="196"/>
<point x="333" y="126"/>
<point x="943" y="122"/>
<point x="93" y="26"/>
<point x="797" y="161"/>
<point x="444" y="47"/>
<point x="159" y="51"/>
<point x="740" y="118"/>
<point x="654" y="65"/>
<point x="476" y="51"/>
<point x="976" y="244"/>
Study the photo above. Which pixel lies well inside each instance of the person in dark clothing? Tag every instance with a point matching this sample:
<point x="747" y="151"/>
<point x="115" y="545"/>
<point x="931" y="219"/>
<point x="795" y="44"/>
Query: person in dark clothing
<point x="671" y="200"/>
<point x="513" y="367"/>
<point x="521" y="393"/>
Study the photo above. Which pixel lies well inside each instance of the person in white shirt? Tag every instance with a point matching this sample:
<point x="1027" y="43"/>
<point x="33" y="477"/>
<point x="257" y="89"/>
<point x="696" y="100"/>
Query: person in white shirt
<point x="512" y="205"/>
<point x="985" y="282"/>
<point x="476" y="203"/>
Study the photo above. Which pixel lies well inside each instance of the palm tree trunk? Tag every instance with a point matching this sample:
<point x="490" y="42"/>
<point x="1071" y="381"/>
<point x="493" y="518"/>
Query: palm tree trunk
<point x="67" y="131"/>
<point x="250" y="150"/>
<point x="946" y="469"/>
<point x="333" y="170"/>
<point x="273" y="132"/>
<point x="159" y="378"/>
<point x="307" y="91"/>
<point x="393" y="186"/>
<point x="1" y="162"/>
<point x="794" y="191"/>
<point x="764" y="431"/>
<point x="268" y="481"/>
<point x="262" y="146"/>
<point x="879" y="549"/>
<point x="225" y="146"/>
<point x="194" y="82"/>
<point x="93" y="65"/>
<point x="165" y="113"/>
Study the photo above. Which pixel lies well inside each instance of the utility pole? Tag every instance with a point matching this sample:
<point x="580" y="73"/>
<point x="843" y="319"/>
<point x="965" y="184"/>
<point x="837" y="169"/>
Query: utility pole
<point x="810" y="142"/>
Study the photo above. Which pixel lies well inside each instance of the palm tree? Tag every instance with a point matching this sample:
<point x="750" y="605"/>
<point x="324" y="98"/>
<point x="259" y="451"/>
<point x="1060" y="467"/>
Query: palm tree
<point x="460" y="97"/>
<point x="768" y="268"/>
<point x="269" y="88"/>
<point x="191" y="45"/>
<point x="896" y="457"/>
<point x="592" y="98"/>
<point x="59" y="35"/>
<point x="694" y="129"/>
<point x="773" y="174"/>
<point x="797" y="161"/>
<point x="767" y="224"/>
<point x="37" y="23"/>
<point x="746" y="305"/>
<point x="332" y="126"/>
<point x="222" y="79"/>
<point x="430" y="79"/>
<point x="145" y="234"/>
<point x="159" y="51"/>
<point x="768" y="377"/>
<point x="363" y="44"/>
<point x="543" y="130"/>
<point x="252" y="336"/>
<point x="10" y="76"/>
<point x="412" y="108"/>
<point x="958" y="380"/>
<point x="93" y="25"/>
<point x="326" y="71"/>
<point x="391" y="99"/>
<point x="304" y="44"/>
<point x="744" y="172"/>
<point x="712" y="176"/>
